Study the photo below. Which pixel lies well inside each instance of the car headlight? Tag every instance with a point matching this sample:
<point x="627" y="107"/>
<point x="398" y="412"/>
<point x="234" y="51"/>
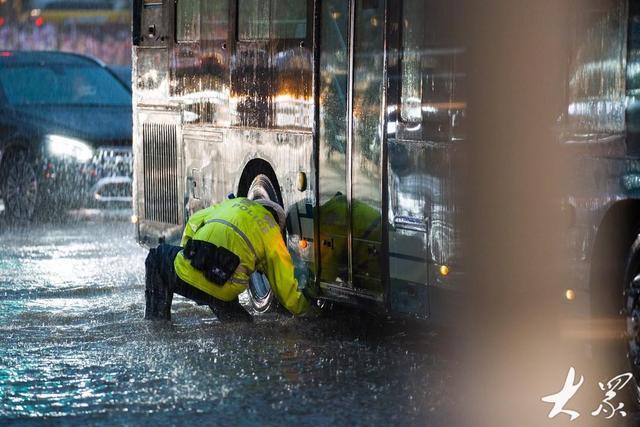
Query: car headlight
<point x="63" y="146"/>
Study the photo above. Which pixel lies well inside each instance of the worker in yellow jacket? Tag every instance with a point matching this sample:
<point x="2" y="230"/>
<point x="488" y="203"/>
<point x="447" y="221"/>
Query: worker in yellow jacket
<point x="221" y="247"/>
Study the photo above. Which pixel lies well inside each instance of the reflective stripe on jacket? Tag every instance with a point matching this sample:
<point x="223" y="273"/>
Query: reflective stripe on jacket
<point x="247" y="229"/>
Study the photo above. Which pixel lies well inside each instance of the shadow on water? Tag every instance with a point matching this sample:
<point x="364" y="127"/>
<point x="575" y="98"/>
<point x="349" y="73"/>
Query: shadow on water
<point x="74" y="349"/>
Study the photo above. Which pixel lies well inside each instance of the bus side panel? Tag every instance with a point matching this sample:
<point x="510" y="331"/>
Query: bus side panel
<point x="209" y="180"/>
<point x="426" y="157"/>
<point x="593" y="142"/>
<point x="157" y="188"/>
<point x="158" y="172"/>
<point x="408" y="271"/>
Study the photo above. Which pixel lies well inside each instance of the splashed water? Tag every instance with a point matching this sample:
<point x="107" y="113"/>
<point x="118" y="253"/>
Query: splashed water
<point x="74" y="348"/>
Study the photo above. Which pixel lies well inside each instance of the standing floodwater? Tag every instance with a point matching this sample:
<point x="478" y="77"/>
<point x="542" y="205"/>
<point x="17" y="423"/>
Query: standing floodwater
<point x="75" y="349"/>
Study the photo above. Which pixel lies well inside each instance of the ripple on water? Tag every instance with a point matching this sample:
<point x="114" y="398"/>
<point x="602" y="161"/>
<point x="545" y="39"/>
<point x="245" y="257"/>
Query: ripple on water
<point x="73" y="345"/>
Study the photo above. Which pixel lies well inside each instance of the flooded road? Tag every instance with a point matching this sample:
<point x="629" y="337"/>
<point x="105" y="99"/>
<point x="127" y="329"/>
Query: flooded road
<point x="75" y="349"/>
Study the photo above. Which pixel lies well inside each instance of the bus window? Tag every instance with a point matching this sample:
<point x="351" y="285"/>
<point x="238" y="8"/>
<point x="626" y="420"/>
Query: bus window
<point x="432" y="92"/>
<point x="432" y="85"/>
<point x="206" y="20"/>
<point x="271" y="73"/>
<point x="334" y="65"/>
<point x="199" y="60"/>
<point x="412" y="41"/>
<point x="289" y="19"/>
<point x="215" y="19"/>
<point x="253" y="20"/>
<point x="188" y="20"/>
<point x="366" y="171"/>
<point x="596" y="101"/>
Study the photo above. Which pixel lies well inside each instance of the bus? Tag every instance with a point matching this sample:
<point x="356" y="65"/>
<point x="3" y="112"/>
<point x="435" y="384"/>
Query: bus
<point x="288" y="100"/>
<point x="352" y="115"/>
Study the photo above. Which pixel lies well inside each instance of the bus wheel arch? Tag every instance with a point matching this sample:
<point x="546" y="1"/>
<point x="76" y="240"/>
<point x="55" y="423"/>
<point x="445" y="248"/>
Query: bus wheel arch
<point x="632" y="306"/>
<point x="253" y="170"/>
<point x="615" y="255"/>
<point x="616" y="234"/>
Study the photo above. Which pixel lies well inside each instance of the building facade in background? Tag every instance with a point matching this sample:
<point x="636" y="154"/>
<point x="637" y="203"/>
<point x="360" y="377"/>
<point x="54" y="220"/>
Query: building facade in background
<point x="101" y="28"/>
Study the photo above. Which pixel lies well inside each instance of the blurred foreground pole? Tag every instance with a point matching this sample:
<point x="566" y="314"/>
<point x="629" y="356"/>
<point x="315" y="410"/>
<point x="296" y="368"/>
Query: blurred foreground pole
<point x="517" y="74"/>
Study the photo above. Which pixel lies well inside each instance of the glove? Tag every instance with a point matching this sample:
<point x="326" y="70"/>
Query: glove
<point x="301" y="273"/>
<point x="312" y="311"/>
<point x="301" y="276"/>
<point x="306" y="286"/>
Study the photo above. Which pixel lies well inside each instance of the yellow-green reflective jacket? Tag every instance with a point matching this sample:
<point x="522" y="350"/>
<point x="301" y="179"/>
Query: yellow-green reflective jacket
<point x="248" y="230"/>
<point x="366" y="224"/>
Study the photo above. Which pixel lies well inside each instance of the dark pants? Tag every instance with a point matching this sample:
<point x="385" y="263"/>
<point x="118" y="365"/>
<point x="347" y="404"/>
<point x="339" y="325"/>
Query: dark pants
<point x="161" y="281"/>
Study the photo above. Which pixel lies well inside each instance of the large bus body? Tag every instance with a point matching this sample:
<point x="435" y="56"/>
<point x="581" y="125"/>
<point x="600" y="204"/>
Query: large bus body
<point x="301" y="102"/>
<point x="352" y="115"/>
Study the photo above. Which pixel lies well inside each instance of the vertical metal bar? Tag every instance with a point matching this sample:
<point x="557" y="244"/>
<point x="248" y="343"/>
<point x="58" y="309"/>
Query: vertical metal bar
<point x="316" y="136"/>
<point x="145" y="163"/>
<point x="161" y="178"/>
<point x="167" y="174"/>
<point x="154" y="166"/>
<point x="349" y="151"/>
<point x="173" y="161"/>
<point x="156" y="176"/>
<point x="155" y="172"/>
<point x="163" y="171"/>
<point x="162" y="142"/>
<point x="152" y="170"/>
<point x="160" y="181"/>
<point x="389" y="95"/>
<point x="173" y="170"/>
<point x="154" y="145"/>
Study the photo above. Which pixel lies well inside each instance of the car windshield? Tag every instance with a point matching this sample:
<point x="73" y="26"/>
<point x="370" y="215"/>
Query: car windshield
<point x="61" y="85"/>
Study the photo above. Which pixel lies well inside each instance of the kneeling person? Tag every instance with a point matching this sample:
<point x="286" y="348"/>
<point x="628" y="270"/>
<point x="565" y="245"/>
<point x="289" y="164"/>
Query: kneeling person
<point x="221" y="247"/>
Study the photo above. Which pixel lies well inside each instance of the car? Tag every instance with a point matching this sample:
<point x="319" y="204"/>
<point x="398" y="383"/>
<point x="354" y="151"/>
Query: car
<point x="65" y="134"/>
<point x="123" y="73"/>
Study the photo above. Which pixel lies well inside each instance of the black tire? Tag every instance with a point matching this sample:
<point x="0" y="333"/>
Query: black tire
<point x="632" y="317"/>
<point x="261" y="296"/>
<point x="262" y="188"/>
<point x="20" y="190"/>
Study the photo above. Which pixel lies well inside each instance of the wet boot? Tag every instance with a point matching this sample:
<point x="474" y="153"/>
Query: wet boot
<point x="158" y="292"/>
<point x="160" y="306"/>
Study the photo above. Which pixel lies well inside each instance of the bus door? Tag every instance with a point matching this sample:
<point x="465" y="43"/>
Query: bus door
<point x="350" y="139"/>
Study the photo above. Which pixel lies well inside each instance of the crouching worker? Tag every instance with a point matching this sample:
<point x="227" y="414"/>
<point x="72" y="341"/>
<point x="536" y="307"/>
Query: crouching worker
<point x="220" y="248"/>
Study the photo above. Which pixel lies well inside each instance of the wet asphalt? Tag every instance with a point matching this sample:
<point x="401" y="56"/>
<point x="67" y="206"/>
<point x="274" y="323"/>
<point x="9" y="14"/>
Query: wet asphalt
<point x="75" y="350"/>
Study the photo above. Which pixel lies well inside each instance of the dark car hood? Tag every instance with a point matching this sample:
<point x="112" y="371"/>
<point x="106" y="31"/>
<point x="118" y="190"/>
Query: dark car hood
<point x="99" y="125"/>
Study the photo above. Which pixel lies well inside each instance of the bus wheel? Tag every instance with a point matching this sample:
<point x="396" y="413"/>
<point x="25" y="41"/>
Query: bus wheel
<point x="260" y="294"/>
<point x="632" y="311"/>
<point x="262" y="188"/>
<point x="19" y="187"/>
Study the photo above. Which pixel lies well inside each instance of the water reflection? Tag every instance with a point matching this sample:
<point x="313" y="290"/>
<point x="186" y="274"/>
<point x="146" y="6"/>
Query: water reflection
<point x="84" y="351"/>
